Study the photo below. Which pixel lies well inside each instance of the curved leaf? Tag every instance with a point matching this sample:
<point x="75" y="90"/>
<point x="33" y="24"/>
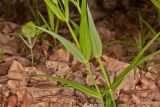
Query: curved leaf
<point x="68" y="45"/>
<point x="87" y="90"/>
<point x="95" y="39"/>
<point x="55" y="9"/>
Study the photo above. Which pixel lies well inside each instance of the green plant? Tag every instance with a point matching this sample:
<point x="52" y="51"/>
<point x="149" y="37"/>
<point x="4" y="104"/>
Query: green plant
<point x="30" y="33"/>
<point x="89" y="44"/>
<point x="157" y="5"/>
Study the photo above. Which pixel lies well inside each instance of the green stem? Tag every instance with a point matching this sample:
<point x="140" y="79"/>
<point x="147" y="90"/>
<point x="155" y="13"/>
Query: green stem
<point x="107" y="80"/>
<point x="31" y="51"/>
<point x="92" y="77"/>
<point x="57" y="25"/>
<point x="51" y="18"/>
<point x="33" y="12"/>
<point x="73" y="34"/>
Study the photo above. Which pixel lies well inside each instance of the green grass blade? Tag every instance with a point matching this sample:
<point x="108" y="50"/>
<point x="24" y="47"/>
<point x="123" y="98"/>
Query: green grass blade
<point x="85" y="42"/>
<point x="122" y="75"/>
<point x="66" y="6"/>
<point x="51" y="18"/>
<point x="156" y="3"/>
<point x="33" y="12"/>
<point x="39" y="32"/>
<point x="75" y="26"/>
<point x="55" y="2"/>
<point x="77" y="86"/>
<point x="55" y="9"/>
<point x="76" y="3"/>
<point x="76" y="52"/>
<point x="148" y="57"/>
<point x="44" y="20"/>
<point x="149" y="27"/>
<point x="95" y="39"/>
<point x="108" y="101"/>
<point x="134" y="64"/>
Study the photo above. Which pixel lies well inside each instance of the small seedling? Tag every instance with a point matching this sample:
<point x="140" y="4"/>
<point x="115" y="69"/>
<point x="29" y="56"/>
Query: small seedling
<point x="30" y="33"/>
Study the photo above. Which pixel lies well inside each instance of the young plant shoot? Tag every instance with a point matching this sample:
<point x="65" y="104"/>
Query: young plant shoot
<point x="29" y="36"/>
<point x="88" y="44"/>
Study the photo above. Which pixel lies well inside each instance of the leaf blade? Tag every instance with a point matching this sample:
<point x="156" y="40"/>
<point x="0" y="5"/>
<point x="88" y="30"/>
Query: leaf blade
<point x="77" y="86"/>
<point x="95" y="39"/>
<point x="85" y="43"/>
<point x="68" y="45"/>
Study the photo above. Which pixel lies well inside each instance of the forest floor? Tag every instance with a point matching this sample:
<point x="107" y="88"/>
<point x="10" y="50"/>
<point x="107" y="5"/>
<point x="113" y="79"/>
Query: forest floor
<point x="118" y="28"/>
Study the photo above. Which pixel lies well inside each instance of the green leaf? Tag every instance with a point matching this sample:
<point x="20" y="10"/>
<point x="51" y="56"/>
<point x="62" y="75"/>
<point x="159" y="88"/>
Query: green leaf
<point x="66" y="6"/>
<point x="29" y="30"/>
<point x="122" y="75"/>
<point x="138" y="60"/>
<point x="76" y="52"/>
<point x="156" y="3"/>
<point x="95" y="39"/>
<point x="151" y="29"/>
<point x="109" y="102"/>
<point x="55" y="1"/>
<point x="87" y="90"/>
<point x="76" y="27"/>
<point x="51" y="18"/>
<point x="85" y="42"/>
<point x="55" y="9"/>
<point x="39" y="32"/>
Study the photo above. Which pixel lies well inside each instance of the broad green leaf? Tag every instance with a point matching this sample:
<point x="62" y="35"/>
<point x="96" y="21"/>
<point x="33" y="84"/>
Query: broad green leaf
<point x="87" y="90"/>
<point x="85" y="42"/>
<point x="68" y="45"/>
<point x="29" y="30"/>
<point x="156" y="3"/>
<point x="55" y="9"/>
<point x="95" y="39"/>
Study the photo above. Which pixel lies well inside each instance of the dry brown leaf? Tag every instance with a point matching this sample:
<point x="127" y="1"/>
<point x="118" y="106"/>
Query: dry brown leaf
<point x="60" y="55"/>
<point x="26" y="102"/>
<point x="60" y="68"/>
<point x="16" y="71"/>
<point x="41" y="104"/>
<point x="12" y="101"/>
